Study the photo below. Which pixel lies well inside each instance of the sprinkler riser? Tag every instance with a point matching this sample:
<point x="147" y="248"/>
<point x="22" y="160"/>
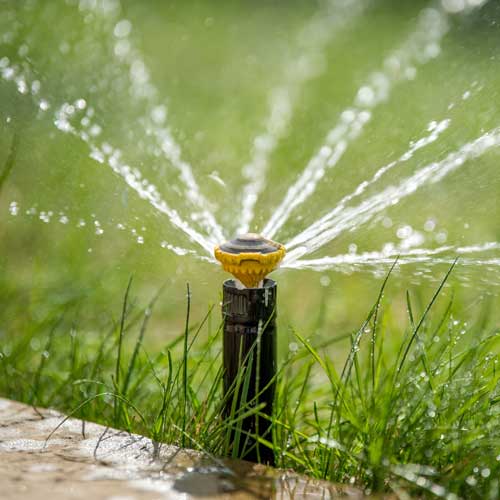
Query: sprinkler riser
<point x="250" y="326"/>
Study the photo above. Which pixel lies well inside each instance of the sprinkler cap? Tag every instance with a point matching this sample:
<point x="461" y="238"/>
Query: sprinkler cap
<point x="250" y="258"/>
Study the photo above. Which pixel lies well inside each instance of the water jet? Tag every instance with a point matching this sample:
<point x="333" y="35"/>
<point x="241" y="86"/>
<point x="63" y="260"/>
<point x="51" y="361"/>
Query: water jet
<point x="249" y="339"/>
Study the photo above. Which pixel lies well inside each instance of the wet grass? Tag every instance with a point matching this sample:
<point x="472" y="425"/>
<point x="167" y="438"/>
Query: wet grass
<point x="412" y="410"/>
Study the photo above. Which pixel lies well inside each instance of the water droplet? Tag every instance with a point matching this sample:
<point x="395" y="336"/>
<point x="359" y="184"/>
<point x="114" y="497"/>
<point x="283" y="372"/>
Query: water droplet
<point x="122" y="48"/>
<point x="35" y="87"/>
<point x="410" y="73"/>
<point x="159" y="114"/>
<point x="35" y="344"/>
<point x="404" y="232"/>
<point x="422" y="482"/>
<point x="432" y="126"/>
<point x="81" y="103"/>
<point x="366" y="96"/>
<point x="453" y="6"/>
<point x="348" y="116"/>
<point x="44" y="105"/>
<point x="387" y="222"/>
<point x="13" y="208"/>
<point x="471" y="480"/>
<point x="8" y="73"/>
<point x="430" y="225"/>
<point x="45" y="217"/>
<point x="325" y="280"/>
<point x="432" y="50"/>
<point x="95" y="130"/>
<point x="442" y="236"/>
<point x="122" y="28"/>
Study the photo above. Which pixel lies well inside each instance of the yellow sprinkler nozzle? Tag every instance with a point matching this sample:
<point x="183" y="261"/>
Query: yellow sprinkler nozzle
<point x="250" y="258"/>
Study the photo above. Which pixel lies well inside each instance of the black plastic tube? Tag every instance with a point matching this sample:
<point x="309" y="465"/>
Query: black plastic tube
<point x="250" y="344"/>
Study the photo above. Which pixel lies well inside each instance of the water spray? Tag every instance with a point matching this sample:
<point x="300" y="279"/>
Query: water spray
<point x="249" y="343"/>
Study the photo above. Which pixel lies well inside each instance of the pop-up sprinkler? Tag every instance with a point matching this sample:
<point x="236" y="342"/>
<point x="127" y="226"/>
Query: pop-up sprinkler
<point x="249" y="313"/>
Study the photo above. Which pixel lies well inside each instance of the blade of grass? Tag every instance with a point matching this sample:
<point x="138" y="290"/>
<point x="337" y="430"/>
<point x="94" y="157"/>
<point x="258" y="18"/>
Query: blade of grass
<point x="116" y="381"/>
<point x="147" y="315"/>
<point x="11" y="159"/>
<point x="185" y="367"/>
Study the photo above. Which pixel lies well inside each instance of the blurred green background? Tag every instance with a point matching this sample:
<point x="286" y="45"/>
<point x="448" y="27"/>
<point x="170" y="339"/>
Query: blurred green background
<point x="214" y="64"/>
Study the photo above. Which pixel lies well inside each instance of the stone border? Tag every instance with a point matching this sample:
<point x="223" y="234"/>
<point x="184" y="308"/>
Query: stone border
<point x="83" y="460"/>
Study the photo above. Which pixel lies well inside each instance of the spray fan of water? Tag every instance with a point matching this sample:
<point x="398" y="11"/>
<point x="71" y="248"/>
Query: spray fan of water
<point x="144" y="150"/>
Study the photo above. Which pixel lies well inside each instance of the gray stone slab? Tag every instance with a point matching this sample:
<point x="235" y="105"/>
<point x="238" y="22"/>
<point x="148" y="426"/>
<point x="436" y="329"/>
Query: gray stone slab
<point x="86" y="460"/>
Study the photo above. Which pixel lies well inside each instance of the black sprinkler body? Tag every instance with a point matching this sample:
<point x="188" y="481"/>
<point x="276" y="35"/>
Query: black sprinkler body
<point x="250" y="343"/>
<point x="249" y="314"/>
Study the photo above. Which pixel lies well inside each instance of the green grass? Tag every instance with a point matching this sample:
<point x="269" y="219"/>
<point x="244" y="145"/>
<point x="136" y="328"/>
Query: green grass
<point x="414" y="410"/>
<point x="402" y="404"/>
